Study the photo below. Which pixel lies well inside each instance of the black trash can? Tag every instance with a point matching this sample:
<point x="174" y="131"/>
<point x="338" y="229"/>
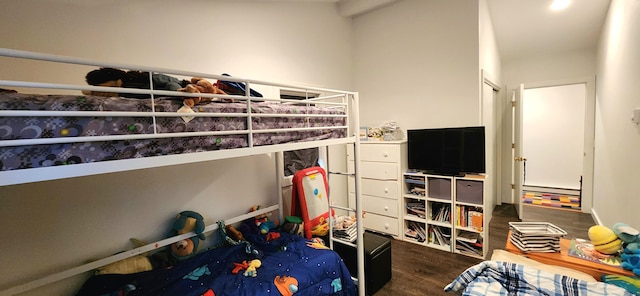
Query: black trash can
<point x="377" y="260"/>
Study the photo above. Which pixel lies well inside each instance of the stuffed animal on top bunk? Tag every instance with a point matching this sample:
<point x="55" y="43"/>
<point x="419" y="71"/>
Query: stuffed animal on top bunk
<point x="112" y="77"/>
<point x="631" y="246"/>
<point x="201" y="85"/>
<point x="187" y="221"/>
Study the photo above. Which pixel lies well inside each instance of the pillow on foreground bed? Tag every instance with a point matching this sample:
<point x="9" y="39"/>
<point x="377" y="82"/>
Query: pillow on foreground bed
<point x="505" y="256"/>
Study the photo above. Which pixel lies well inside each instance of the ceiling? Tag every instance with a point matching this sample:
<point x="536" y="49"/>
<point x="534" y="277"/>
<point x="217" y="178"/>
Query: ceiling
<point x="525" y="28"/>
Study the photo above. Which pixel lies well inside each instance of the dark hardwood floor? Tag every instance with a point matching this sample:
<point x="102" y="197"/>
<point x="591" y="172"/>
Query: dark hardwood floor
<point x="418" y="270"/>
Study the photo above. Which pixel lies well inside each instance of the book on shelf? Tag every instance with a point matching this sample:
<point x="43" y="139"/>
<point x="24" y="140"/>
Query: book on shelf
<point x="469" y="248"/>
<point x="415" y="231"/>
<point x="476" y="219"/>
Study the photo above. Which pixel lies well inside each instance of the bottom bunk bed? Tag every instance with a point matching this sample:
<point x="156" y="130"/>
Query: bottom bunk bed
<point x="289" y="265"/>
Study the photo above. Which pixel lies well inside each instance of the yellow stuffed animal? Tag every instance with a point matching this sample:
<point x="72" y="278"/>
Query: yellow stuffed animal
<point x="604" y="240"/>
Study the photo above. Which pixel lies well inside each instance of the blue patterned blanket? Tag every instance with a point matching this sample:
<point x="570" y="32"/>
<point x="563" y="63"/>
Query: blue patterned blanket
<point x="502" y="278"/>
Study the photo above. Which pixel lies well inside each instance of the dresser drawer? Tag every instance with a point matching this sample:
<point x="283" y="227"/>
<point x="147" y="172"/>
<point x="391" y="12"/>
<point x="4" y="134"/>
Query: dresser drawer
<point x="381" y="223"/>
<point x="380" y="152"/>
<point x="388" y="189"/>
<point x="377" y="170"/>
<point x="376" y="205"/>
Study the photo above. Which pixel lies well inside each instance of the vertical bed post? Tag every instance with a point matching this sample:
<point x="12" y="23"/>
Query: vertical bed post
<point x="359" y="213"/>
<point x="279" y="179"/>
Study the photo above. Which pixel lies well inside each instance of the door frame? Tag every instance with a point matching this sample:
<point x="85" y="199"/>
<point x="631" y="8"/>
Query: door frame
<point x="495" y="148"/>
<point x="589" y="133"/>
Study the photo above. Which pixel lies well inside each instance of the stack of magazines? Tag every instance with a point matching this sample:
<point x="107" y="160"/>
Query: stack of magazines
<point x="536" y="236"/>
<point x="344" y="228"/>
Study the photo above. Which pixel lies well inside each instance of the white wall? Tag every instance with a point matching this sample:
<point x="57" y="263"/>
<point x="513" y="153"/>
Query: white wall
<point x="617" y="139"/>
<point x="490" y="60"/>
<point x="416" y="62"/>
<point x="55" y="225"/>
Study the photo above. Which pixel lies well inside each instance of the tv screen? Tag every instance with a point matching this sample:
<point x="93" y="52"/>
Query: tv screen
<point x="447" y="151"/>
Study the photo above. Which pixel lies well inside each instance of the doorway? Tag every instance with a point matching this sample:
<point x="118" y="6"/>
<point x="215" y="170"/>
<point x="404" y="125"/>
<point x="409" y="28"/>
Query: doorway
<point x="581" y="161"/>
<point x="553" y="137"/>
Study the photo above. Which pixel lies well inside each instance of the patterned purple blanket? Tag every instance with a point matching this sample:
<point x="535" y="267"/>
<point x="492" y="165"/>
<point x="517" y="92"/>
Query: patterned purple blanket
<point x="42" y="155"/>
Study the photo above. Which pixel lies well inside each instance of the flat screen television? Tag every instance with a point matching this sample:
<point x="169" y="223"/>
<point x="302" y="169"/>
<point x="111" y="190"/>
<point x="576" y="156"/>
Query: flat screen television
<point x="447" y="151"/>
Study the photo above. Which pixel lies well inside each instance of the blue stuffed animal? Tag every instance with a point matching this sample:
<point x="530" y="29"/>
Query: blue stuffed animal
<point x="187" y="221"/>
<point x="631" y="246"/>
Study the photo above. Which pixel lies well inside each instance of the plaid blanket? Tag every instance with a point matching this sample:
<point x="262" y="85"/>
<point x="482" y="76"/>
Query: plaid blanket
<point x="502" y="278"/>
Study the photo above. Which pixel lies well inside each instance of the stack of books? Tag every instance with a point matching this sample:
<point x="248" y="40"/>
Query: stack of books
<point x="344" y="228"/>
<point x="415" y="231"/>
<point x="536" y="236"/>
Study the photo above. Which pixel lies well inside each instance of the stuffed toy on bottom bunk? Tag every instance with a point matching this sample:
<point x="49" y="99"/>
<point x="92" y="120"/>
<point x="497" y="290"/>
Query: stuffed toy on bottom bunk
<point x="289" y="265"/>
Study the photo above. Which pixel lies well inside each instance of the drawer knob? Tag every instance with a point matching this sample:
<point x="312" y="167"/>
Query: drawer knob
<point x="386" y="190"/>
<point x="386" y="226"/>
<point x="386" y="208"/>
<point x="385" y="154"/>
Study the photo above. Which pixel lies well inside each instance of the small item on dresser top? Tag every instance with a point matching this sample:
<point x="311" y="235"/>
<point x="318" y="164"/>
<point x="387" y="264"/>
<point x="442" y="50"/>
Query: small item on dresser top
<point x="536" y="236"/>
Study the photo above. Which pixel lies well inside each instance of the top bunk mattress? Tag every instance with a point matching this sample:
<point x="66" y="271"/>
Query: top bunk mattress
<point x="105" y="128"/>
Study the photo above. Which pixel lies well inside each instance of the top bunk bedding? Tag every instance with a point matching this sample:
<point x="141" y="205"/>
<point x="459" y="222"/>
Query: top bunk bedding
<point x="45" y="136"/>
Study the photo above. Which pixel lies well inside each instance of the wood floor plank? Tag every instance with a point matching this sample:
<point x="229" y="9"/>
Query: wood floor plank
<point x="419" y="270"/>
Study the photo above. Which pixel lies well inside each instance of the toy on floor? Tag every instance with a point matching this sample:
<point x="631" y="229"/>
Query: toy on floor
<point x="604" y="240"/>
<point x="187" y="221"/>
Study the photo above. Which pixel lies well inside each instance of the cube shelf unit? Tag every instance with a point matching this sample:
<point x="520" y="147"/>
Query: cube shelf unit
<point x="446" y="213"/>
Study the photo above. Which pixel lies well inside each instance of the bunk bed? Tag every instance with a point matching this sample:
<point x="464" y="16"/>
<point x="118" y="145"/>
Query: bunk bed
<point x="67" y="133"/>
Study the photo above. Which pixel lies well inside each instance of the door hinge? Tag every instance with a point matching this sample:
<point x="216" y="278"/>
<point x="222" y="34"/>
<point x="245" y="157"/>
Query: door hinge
<point x="513" y="103"/>
<point x="513" y="186"/>
<point x="513" y="145"/>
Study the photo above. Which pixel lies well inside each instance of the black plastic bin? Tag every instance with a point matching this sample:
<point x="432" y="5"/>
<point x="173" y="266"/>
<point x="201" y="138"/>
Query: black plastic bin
<point x="377" y="260"/>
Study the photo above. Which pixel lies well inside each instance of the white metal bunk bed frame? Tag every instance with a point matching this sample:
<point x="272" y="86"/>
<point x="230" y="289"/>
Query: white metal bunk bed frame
<point x="349" y="101"/>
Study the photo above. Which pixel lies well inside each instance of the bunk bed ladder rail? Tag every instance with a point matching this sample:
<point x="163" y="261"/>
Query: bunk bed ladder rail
<point x="359" y="213"/>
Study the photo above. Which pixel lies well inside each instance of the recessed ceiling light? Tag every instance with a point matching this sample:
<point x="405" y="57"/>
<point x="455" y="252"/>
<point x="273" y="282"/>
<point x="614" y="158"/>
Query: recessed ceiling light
<point x="560" y="4"/>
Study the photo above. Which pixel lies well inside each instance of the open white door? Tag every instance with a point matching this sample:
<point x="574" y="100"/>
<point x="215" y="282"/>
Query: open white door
<point x="518" y="160"/>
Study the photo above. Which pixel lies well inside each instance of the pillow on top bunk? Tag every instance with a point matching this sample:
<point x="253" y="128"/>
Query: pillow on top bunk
<point x="505" y="256"/>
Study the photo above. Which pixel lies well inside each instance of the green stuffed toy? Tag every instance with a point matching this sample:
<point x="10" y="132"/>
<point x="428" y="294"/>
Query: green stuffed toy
<point x="631" y="246"/>
<point x="187" y="221"/>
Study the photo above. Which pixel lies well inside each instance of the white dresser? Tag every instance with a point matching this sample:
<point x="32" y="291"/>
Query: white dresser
<point x="382" y="165"/>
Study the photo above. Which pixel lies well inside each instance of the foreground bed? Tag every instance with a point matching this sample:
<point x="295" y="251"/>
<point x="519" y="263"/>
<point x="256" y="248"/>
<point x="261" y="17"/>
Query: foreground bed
<point x="510" y="274"/>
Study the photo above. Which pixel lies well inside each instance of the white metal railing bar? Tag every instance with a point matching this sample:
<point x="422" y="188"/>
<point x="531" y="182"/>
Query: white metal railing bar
<point x="63" y="140"/>
<point x="43" y="113"/>
<point x="124" y="255"/>
<point x="79" y="61"/>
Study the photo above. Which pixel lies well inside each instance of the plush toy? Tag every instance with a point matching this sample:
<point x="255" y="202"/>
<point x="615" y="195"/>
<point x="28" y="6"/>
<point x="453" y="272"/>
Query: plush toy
<point x="630" y="236"/>
<point x="262" y="221"/>
<point x="604" y="240"/>
<point x="631" y="246"/>
<point x="187" y="221"/>
<point x="200" y="85"/>
<point x="112" y="77"/>
<point x="249" y="267"/>
<point x="138" y="263"/>
<point x="631" y="261"/>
